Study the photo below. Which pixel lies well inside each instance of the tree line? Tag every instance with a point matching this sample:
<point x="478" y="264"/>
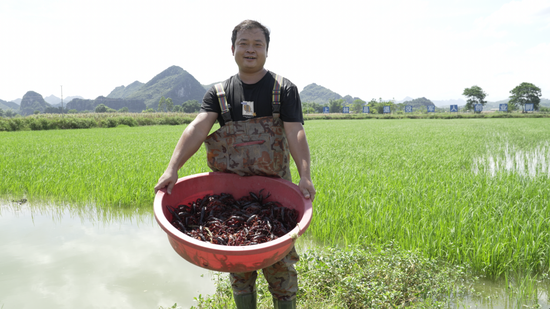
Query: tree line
<point x="375" y="106"/>
<point x="524" y="93"/>
<point x="165" y="105"/>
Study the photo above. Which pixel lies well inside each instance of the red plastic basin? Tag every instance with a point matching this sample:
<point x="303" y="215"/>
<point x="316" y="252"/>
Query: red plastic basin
<point x="234" y="259"/>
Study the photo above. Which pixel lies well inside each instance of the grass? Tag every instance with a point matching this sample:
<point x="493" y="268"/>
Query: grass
<point x="361" y="277"/>
<point x="426" y="186"/>
<point x="109" y="120"/>
<point x="92" y="120"/>
<point x="115" y="167"/>
<point x="412" y="182"/>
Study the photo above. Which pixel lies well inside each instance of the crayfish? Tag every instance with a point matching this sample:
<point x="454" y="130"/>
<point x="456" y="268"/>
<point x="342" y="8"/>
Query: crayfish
<point x="221" y="219"/>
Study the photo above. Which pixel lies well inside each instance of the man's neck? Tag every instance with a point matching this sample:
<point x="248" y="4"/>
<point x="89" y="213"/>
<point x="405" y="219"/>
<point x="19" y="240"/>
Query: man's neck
<point x="252" y="78"/>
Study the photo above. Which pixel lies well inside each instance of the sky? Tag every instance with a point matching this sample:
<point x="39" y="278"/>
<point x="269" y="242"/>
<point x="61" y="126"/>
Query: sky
<point x="368" y="49"/>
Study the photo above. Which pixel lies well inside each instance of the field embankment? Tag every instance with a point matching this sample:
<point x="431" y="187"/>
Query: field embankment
<point x="109" y="120"/>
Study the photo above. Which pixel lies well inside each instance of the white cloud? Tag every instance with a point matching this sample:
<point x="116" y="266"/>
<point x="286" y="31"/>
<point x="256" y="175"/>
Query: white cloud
<point x="516" y="13"/>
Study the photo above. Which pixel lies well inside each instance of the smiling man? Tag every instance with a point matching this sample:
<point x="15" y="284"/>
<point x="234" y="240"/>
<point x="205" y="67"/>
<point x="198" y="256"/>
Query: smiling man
<point x="261" y="125"/>
<point x="250" y="51"/>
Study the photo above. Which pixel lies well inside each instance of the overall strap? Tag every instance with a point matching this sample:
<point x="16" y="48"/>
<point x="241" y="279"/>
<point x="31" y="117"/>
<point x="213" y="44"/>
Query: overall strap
<point x="277" y="95"/>
<point x="223" y="102"/>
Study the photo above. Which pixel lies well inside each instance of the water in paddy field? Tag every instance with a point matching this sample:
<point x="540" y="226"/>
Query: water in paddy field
<point x="55" y="258"/>
<point x="52" y="259"/>
<point x="508" y="159"/>
<point x="494" y="295"/>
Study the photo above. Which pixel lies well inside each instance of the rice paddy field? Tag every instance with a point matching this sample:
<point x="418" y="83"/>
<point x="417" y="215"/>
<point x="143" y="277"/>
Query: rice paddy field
<point x="471" y="192"/>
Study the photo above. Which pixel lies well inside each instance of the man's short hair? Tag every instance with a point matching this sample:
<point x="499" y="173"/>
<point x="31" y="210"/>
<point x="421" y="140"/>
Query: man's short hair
<point x="247" y="25"/>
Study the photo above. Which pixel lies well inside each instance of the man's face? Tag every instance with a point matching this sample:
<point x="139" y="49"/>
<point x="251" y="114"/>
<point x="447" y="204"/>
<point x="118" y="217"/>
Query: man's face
<point x="250" y="50"/>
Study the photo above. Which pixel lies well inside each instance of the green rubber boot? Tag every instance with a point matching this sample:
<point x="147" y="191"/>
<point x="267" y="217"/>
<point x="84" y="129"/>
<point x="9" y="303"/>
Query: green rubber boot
<point x="245" y="301"/>
<point x="279" y="304"/>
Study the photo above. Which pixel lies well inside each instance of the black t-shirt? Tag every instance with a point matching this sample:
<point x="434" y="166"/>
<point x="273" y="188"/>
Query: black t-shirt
<point x="260" y="93"/>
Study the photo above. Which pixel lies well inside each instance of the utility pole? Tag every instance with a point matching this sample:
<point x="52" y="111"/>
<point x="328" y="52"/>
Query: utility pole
<point x="62" y="100"/>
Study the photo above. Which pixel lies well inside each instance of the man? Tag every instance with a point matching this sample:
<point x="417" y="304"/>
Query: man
<point x="261" y="122"/>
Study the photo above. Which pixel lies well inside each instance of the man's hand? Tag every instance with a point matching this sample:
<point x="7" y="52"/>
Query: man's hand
<point x="167" y="180"/>
<point x="299" y="150"/>
<point x="190" y="141"/>
<point x="307" y="188"/>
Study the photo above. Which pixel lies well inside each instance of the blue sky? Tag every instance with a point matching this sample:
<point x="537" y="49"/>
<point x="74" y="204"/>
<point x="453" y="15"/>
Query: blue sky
<point x="368" y="49"/>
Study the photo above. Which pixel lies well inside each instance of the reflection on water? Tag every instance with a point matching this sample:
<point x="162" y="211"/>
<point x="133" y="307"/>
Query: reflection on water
<point x="512" y="160"/>
<point x="525" y="293"/>
<point x="55" y="259"/>
<point x="51" y="259"/>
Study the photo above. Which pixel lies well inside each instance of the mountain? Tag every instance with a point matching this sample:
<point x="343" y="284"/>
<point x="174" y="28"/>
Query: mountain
<point x="55" y="101"/>
<point x="31" y="102"/>
<point x="134" y="106"/>
<point x="122" y="92"/>
<point x="321" y="95"/>
<point x="52" y="99"/>
<point x="174" y="83"/>
<point x="419" y="102"/>
<point x="4" y="105"/>
<point x="407" y="98"/>
<point x="318" y="94"/>
<point x="349" y="99"/>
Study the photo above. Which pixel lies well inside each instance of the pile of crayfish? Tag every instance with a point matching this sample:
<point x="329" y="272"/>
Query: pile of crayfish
<point x="223" y="220"/>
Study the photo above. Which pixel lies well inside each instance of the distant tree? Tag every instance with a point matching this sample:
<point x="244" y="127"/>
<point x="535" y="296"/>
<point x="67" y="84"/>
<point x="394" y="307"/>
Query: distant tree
<point x="373" y="106"/>
<point x="312" y="107"/>
<point x="53" y="110"/>
<point x="149" y="110"/>
<point x="36" y="112"/>
<point x="525" y="93"/>
<point x="357" y="106"/>
<point x="335" y="106"/>
<point x="399" y="108"/>
<point x="123" y="110"/>
<point x="377" y="107"/>
<point x="191" y="106"/>
<point x="101" y="108"/>
<point x="475" y="95"/>
<point x="9" y="113"/>
<point x="162" y="103"/>
<point x="1" y="112"/>
<point x="307" y="108"/>
<point x="72" y="111"/>
<point x="178" y="109"/>
<point x="169" y="104"/>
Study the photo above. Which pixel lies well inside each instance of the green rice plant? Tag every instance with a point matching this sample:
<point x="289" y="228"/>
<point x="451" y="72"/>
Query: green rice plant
<point x="413" y="182"/>
<point x="105" y="167"/>
<point x="92" y="120"/>
<point x="409" y="182"/>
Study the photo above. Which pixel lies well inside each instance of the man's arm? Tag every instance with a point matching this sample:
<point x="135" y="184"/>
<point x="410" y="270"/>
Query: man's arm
<point x="299" y="149"/>
<point x="190" y="141"/>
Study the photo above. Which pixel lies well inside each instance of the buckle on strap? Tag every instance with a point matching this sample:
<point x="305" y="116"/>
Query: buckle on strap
<point x="221" y="98"/>
<point x="227" y="117"/>
<point x="276" y="97"/>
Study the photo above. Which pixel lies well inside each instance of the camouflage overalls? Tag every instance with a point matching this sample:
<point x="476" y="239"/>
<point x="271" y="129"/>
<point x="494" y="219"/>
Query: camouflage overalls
<point x="257" y="146"/>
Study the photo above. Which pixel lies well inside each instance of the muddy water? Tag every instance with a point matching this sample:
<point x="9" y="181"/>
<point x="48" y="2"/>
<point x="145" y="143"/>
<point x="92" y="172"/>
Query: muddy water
<point x="59" y="259"/>
<point x="52" y="259"/>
